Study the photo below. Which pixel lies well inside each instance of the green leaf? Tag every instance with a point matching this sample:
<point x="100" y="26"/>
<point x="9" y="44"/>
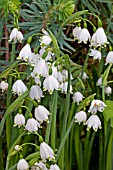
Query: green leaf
<point x="105" y="75"/>
<point x="108" y="111"/>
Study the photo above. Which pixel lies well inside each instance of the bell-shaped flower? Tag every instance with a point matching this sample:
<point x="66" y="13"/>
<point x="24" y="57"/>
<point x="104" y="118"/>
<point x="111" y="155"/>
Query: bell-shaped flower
<point x="16" y="35"/>
<point x="63" y="86"/>
<point x="3" y="86"/>
<point x="45" y="39"/>
<point x="84" y="36"/>
<point x="37" y="81"/>
<point x="22" y="165"/>
<point x="46" y="152"/>
<point x="32" y="125"/>
<point x="19" y="87"/>
<point x="19" y="120"/>
<point x="108" y="90"/>
<point x="39" y="166"/>
<point x="76" y="30"/>
<point x="18" y="147"/>
<point x="65" y="75"/>
<point x="99" y="38"/>
<point x="80" y="117"/>
<point x="59" y="76"/>
<point x="54" y="167"/>
<point x="25" y="53"/>
<point x="50" y="83"/>
<point x="77" y="97"/>
<point x="84" y="75"/>
<point x="96" y="105"/>
<point x="41" y="113"/>
<point x="93" y="122"/>
<point x="49" y="56"/>
<point x="95" y="54"/>
<point x="109" y="58"/>
<point x="36" y="93"/>
<point x="99" y="82"/>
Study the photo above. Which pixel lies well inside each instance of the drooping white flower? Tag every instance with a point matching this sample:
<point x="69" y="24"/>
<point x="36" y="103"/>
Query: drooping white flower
<point x="49" y="54"/>
<point x="96" y="105"/>
<point x="25" y="53"/>
<point x="84" y="75"/>
<point x="32" y="125"/>
<point x="77" y="97"/>
<point x="54" y="167"/>
<point x="19" y="87"/>
<point x="109" y="58"/>
<point x="45" y="39"/>
<point x="41" y="113"/>
<point x="36" y="93"/>
<point x="80" y="117"/>
<point x="108" y="90"/>
<point x="17" y="147"/>
<point x="95" y="54"/>
<point x="93" y="122"/>
<point x="22" y="165"/>
<point x="3" y="86"/>
<point x="59" y="76"/>
<point x="76" y="31"/>
<point x="46" y="152"/>
<point x="65" y="75"/>
<point x="99" y="38"/>
<point x="16" y="35"/>
<point x="99" y="82"/>
<point x="83" y="35"/>
<point x="35" y="58"/>
<point x="50" y="83"/>
<point x="37" y="81"/>
<point x="63" y="86"/>
<point x="19" y="120"/>
<point x="39" y="166"/>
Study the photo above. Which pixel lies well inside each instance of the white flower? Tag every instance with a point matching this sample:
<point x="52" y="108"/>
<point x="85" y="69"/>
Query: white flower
<point x="41" y="113"/>
<point x="84" y="75"/>
<point x="41" y="69"/>
<point x="108" y="90"/>
<point x="80" y="117"/>
<point x="109" y="58"/>
<point x="54" y="167"/>
<point x="50" y="83"/>
<point x="22" y="165"/>
<point x="19" y="120"/>
<point x="19" y="87"/>
<point x="39" y="166"/>
<point x="25" y="53"/>
<point x="32" y="125"/>
<point x="59" y="76"/>
<point x="49" y="54"/>
<point x="65" y="75"/>
<point x="3" y="86"/>
<point x="46" y="152"/>
<point x="63" y="86"/>
<point x="77" y="97"/>
<point x="93" y="122"/>
<point x="99" y="82"/>
<point x="37" y="81"/>
<point x="45" y="39"/>
<point x="17" y="147"/>
<point x="95" y="54"/>
<point x="83" y="35"/>
<point x="99" y="38"/>
<point x="96" y="105"/>
<point x="76" y="31"/>
<point x="16" y="35"/>
<point x="36" y="93"/>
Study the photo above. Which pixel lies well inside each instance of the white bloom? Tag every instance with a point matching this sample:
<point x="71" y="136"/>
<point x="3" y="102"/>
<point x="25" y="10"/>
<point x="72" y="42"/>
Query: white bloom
<point x="39" y="166"/>
<point x="109" y="58"/>
<point x="63" y="86"/>
<point x="36" y="93"/>
<point x="25" y="53"/>
<point x="77" y="97"/>
<point x="19" y="120"/>
<point x="76" y="31"/>
<point x="108" y="90"/>
<point x="49" y="54"/>
<point x="80" y="117"/>
<point x="41" y="113"/>
<point x="83" y="35"/>
<point x="99" y="38"/>
<point x="3" y="86"/>
<point x="19" y="87"/>
<point x="46" y="152"/>
<point x="50" y="83"/>
<point x="16" y="35"/>
<point x="54" y="167"/>
<point x="84" y="76"/>
<point x="32" y="125"/>
<point x="93" y="122"/>
<point x="17" y="147"/>
<point x="95" y="54"/>
<point x="96" y="105"/>
<point x="65" y="75"/>
<point x="37" y="81"/>
<point x="59" y="76"/>
<point x="99" y="82"/>
<point x="45" y="39"/>
<point x="35" y="58"/>
<point x="22" y="165"/>
<point x="54" y="71"/>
